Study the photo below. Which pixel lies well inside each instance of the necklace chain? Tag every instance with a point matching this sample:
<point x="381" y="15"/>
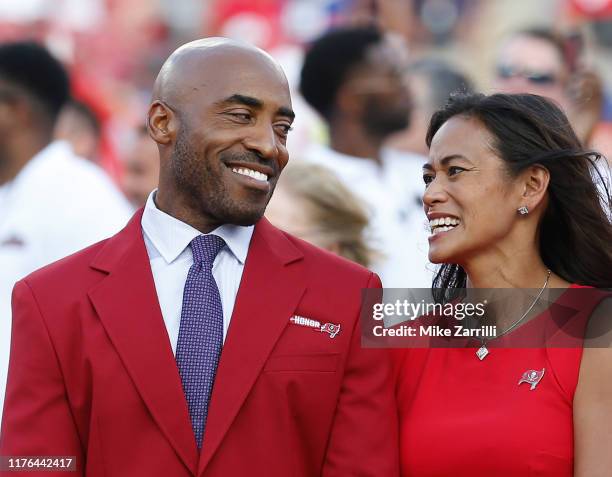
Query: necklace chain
<point x="483" y="351"/>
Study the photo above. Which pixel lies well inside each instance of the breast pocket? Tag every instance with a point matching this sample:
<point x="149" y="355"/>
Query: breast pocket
<point x="319" y="362"/>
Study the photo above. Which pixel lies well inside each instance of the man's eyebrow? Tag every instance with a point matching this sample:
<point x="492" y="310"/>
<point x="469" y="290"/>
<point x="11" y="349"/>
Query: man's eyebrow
<point x="444" y="161"/>
<point x="255" y="103"/>
<point x="242" y="99"/>
<point x="283" y="111"/>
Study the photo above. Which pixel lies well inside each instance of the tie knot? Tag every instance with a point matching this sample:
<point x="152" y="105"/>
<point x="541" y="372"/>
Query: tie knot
<point x="205" y="248"/>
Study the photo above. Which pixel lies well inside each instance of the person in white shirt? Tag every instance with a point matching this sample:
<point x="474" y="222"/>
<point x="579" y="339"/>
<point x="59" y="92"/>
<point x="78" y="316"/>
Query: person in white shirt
<point x="52" y="203"/>
<point x="353" y="78"/>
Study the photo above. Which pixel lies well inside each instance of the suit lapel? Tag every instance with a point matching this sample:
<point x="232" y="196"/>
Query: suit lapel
<point x="270" y="290"/>
<point x="127" y="305"/>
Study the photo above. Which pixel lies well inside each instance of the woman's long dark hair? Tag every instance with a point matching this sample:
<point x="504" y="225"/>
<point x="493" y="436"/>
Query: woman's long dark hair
<point x="575" y="231"/>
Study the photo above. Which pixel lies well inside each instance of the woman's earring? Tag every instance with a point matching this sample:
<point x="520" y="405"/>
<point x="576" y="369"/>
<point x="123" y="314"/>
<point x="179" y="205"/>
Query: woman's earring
<point x="523" y="210"/>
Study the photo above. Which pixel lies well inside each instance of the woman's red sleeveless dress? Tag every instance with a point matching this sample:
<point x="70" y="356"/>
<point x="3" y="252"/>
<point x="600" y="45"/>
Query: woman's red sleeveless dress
<point x="460" y="416"/>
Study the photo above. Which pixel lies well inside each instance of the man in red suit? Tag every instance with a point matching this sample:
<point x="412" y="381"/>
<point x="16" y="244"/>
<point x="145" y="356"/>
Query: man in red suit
<point x="115" y="349"/>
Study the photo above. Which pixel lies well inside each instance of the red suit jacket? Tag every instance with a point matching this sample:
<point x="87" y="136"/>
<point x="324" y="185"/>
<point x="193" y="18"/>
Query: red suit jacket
<point x="92" y="374"/>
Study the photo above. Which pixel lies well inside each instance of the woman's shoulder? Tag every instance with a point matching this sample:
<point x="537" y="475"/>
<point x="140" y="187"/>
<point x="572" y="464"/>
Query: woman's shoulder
<point x="583" y="297"/>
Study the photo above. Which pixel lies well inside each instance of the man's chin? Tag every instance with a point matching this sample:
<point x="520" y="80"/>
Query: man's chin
<point x="244" y="218"/>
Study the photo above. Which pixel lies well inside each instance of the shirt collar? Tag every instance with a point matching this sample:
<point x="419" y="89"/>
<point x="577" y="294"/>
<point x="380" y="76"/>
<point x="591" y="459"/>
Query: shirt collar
<point x="171" y="236"/>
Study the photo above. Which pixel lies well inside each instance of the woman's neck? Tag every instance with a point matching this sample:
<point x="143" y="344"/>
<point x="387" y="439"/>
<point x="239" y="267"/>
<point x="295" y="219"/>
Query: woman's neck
<point x="498" y="270"/>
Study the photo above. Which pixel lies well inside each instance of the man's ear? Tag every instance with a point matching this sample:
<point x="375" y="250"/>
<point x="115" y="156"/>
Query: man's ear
<point x="535" y="184"/>
<point x="162" y="123"/>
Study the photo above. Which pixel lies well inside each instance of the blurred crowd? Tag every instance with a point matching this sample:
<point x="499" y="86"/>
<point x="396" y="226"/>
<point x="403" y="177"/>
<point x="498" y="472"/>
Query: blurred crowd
<point x="76" y="159"/>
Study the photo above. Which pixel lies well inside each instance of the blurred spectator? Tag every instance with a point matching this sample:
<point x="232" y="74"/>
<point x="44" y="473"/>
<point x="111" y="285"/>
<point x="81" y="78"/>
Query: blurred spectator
<point x="431" y="82"/>
<point x="141" y="169"/>
<point x="541" y="61"/>
<point x="353" y="78"/>
<point x="311" y="203"/>
<point x="534" y="61"/>
<point x="52" y="203"/>
<point x="79" y="125"/>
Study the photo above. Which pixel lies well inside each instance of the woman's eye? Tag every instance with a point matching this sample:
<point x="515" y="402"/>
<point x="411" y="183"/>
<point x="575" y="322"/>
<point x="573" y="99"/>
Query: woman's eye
<point x="427" y="179"/>
<point x="454" y="170"/>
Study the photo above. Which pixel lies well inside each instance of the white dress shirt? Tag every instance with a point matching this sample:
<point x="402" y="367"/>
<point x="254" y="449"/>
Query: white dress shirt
<point x="392" y="193"/>
<point x="58" y="204"/>
<point x="167" y="240"/>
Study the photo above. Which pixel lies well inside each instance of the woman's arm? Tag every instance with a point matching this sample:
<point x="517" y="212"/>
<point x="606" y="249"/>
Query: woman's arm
<point x="593" y="400"/>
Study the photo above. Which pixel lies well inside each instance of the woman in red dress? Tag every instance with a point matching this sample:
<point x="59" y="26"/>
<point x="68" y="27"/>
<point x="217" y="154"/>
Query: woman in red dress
<point x="512" y="203"/>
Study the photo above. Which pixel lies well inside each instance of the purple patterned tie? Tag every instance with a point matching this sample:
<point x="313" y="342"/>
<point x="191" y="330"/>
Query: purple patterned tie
<point x="200" y="336"/>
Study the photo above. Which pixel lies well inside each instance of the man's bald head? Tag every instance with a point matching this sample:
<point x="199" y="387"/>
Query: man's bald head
<point x="185" y="69"/>
<point x="220" y="115"/>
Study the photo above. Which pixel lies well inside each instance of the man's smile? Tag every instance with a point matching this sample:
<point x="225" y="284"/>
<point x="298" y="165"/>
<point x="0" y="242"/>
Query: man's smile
<point x="254" y="176"/>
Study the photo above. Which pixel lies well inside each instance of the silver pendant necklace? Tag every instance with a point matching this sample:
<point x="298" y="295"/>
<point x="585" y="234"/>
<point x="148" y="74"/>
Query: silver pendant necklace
<point x="483" y="351"/>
